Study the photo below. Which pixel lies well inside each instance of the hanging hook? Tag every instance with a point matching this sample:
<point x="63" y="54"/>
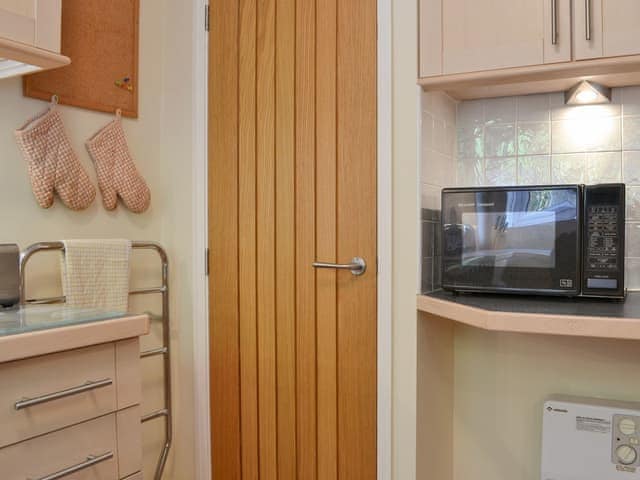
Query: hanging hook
<point x="54" y="99"/>
<point x="118" y="113"/>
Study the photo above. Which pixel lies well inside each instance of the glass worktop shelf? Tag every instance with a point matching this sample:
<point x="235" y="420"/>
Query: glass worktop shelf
<point x="32" y="318"/>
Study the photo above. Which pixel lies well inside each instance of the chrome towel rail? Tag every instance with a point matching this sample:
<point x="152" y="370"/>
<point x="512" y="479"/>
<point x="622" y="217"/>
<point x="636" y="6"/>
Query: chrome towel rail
<point x="163" y="350"/>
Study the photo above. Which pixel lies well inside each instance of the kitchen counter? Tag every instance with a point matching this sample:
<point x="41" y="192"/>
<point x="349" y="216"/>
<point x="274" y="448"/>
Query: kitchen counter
<point x="543" y="315"/>
<point x="36" y="330"/>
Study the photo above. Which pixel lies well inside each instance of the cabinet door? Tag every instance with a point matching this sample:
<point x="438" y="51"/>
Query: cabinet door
<point x="18" y="21"/>
<point x="606" y="28"/>
<point x="482" y="35"/>
<point x="34" y="22"/>
<point x="620" y="27"/>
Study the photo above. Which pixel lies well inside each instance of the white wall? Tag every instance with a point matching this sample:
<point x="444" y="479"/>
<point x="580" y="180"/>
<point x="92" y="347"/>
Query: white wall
<point x="160" y="141"/>
<point x="406" y="111"/>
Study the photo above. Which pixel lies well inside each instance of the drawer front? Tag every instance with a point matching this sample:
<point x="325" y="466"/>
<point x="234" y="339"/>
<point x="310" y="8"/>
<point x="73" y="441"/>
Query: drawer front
<point x="42" y="394"/>
<point x="129" y="438"/>
<point x="67" y="450"/>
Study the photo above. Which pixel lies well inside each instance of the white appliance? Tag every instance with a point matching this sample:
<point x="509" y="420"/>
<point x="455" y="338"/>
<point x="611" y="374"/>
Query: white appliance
<point x="590" y="439"/>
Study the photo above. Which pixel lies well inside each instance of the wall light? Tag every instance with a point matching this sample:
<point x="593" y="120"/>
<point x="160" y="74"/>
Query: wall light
<point x="587" y="93"/>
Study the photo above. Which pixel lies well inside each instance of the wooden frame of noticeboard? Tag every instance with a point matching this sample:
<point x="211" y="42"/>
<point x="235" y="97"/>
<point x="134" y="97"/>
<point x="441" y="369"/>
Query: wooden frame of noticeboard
<point x="101" y="38"/>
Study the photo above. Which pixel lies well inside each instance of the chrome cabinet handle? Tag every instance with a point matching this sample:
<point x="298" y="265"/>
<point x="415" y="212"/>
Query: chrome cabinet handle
<point x="554" y="22"/>
<point x="587" y="19"/>
<point x="90" y="385"/>
<point x="357" y="266"/>
<point x="89" y="462"/>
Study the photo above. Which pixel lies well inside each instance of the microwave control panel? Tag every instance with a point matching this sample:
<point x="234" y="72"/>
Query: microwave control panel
<point x="603" y="240"/>
<point x="590" y="439"/>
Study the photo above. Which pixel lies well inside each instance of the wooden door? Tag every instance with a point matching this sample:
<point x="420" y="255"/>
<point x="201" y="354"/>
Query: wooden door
<point x="292" y="180"/>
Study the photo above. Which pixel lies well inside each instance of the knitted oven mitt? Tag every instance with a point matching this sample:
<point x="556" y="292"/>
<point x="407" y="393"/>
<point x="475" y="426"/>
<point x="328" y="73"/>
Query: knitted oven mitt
<point x="52" y="163"/>
<point x="117" y="174"/>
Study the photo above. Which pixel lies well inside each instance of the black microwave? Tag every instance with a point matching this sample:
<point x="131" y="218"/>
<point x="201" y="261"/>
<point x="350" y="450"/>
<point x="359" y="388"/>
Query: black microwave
<point x="545" y="240"/>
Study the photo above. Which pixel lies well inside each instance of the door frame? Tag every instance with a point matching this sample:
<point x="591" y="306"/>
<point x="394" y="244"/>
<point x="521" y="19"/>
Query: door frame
<point x="199" y="298"/>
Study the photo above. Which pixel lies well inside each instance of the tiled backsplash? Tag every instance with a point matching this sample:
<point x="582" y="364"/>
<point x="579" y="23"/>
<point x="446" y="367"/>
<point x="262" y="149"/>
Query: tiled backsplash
<point x="437" y="171"/>
<point x="533" y="139"/>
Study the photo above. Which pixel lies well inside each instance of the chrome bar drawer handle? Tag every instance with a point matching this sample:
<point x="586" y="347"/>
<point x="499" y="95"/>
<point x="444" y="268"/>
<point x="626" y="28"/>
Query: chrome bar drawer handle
<point x="587" y="19"/>
<point x="86" y="387"/>
<point x="357" y="266"/>
<point x="89" y="462"/>
<point x="554" y="22"/>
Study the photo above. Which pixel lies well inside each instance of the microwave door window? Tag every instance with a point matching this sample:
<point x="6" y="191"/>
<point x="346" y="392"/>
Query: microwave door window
<point x="513" y="239"/>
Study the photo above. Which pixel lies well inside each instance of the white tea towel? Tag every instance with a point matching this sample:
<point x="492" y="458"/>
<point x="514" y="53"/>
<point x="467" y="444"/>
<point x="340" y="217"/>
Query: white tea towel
<point x="95" y="274"/>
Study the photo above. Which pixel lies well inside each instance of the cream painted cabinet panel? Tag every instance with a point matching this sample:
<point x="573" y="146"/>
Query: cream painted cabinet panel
<point x="620" y="27"/>
<point x="42" y="377"/>
<point x="49" y="454"/>
<point x="489" y="34"/>
<point x="606" y="28"/>
<point x="34" y="22"/>
<point x="587" y="29"/>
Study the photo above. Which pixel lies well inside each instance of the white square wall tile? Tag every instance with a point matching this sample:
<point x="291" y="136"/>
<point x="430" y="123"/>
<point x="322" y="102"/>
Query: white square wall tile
<point x="631" y="133"/>
<point x="470" y="172"/>
<point x="437" y="168"/>
<point x="599" y="134"/>
<point x="427" y="130"/>
<point x="563" y="112"/>
<point x="632" y="273"/>
<point x="631" y="168"/>
<point x="604" y="167"/>
<point x="631" y="101"/>
<point x="500" y="110"/>
<point x="568" y="168"/>
<point x="443" y="137"/>
<point x="533" y="108"/>
<point x="633" y="204"/>
<point x="470" y="113"/>
<point x="533" y="138"/>
<point x="430" y="197"/>
<point x="632" y="240"/>
<point x="500" y="140"/>
<point x="443" y="107"/>
<point x="534" y="170"/>
<point x="470" y="141"/>
<point x="500" y="171"/>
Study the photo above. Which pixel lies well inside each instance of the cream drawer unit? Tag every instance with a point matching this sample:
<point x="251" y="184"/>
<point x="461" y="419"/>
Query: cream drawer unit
<point x="46" y="393"/>
<point x="88" y="451"/>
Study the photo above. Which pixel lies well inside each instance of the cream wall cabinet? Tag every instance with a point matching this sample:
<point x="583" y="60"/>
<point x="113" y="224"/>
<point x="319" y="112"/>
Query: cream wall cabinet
<point x="606" y="28"/>
<point x="33" y="22"/>
<point x="459" y="36"/>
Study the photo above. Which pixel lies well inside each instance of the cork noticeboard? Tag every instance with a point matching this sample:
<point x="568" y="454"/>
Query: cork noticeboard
<point x="101" y="38"/>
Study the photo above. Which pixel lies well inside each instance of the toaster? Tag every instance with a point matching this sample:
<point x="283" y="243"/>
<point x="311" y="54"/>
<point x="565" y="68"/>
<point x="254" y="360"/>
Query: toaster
<point x="9" y="275"/>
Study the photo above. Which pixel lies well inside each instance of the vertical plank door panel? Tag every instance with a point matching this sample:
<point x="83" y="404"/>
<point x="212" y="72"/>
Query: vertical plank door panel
<point x="247" y="240"/>
<point x="292" y="180"/>
<point x="356" y="176"/>
<point x="285" y="238"/>
<point x="266" y="239"/>
<point x="223" y="241"/>
<point x="326" y="115"/>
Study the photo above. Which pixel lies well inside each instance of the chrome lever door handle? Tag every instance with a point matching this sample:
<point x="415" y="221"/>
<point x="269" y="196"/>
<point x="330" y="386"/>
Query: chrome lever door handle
<point x="357" y="266"/>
